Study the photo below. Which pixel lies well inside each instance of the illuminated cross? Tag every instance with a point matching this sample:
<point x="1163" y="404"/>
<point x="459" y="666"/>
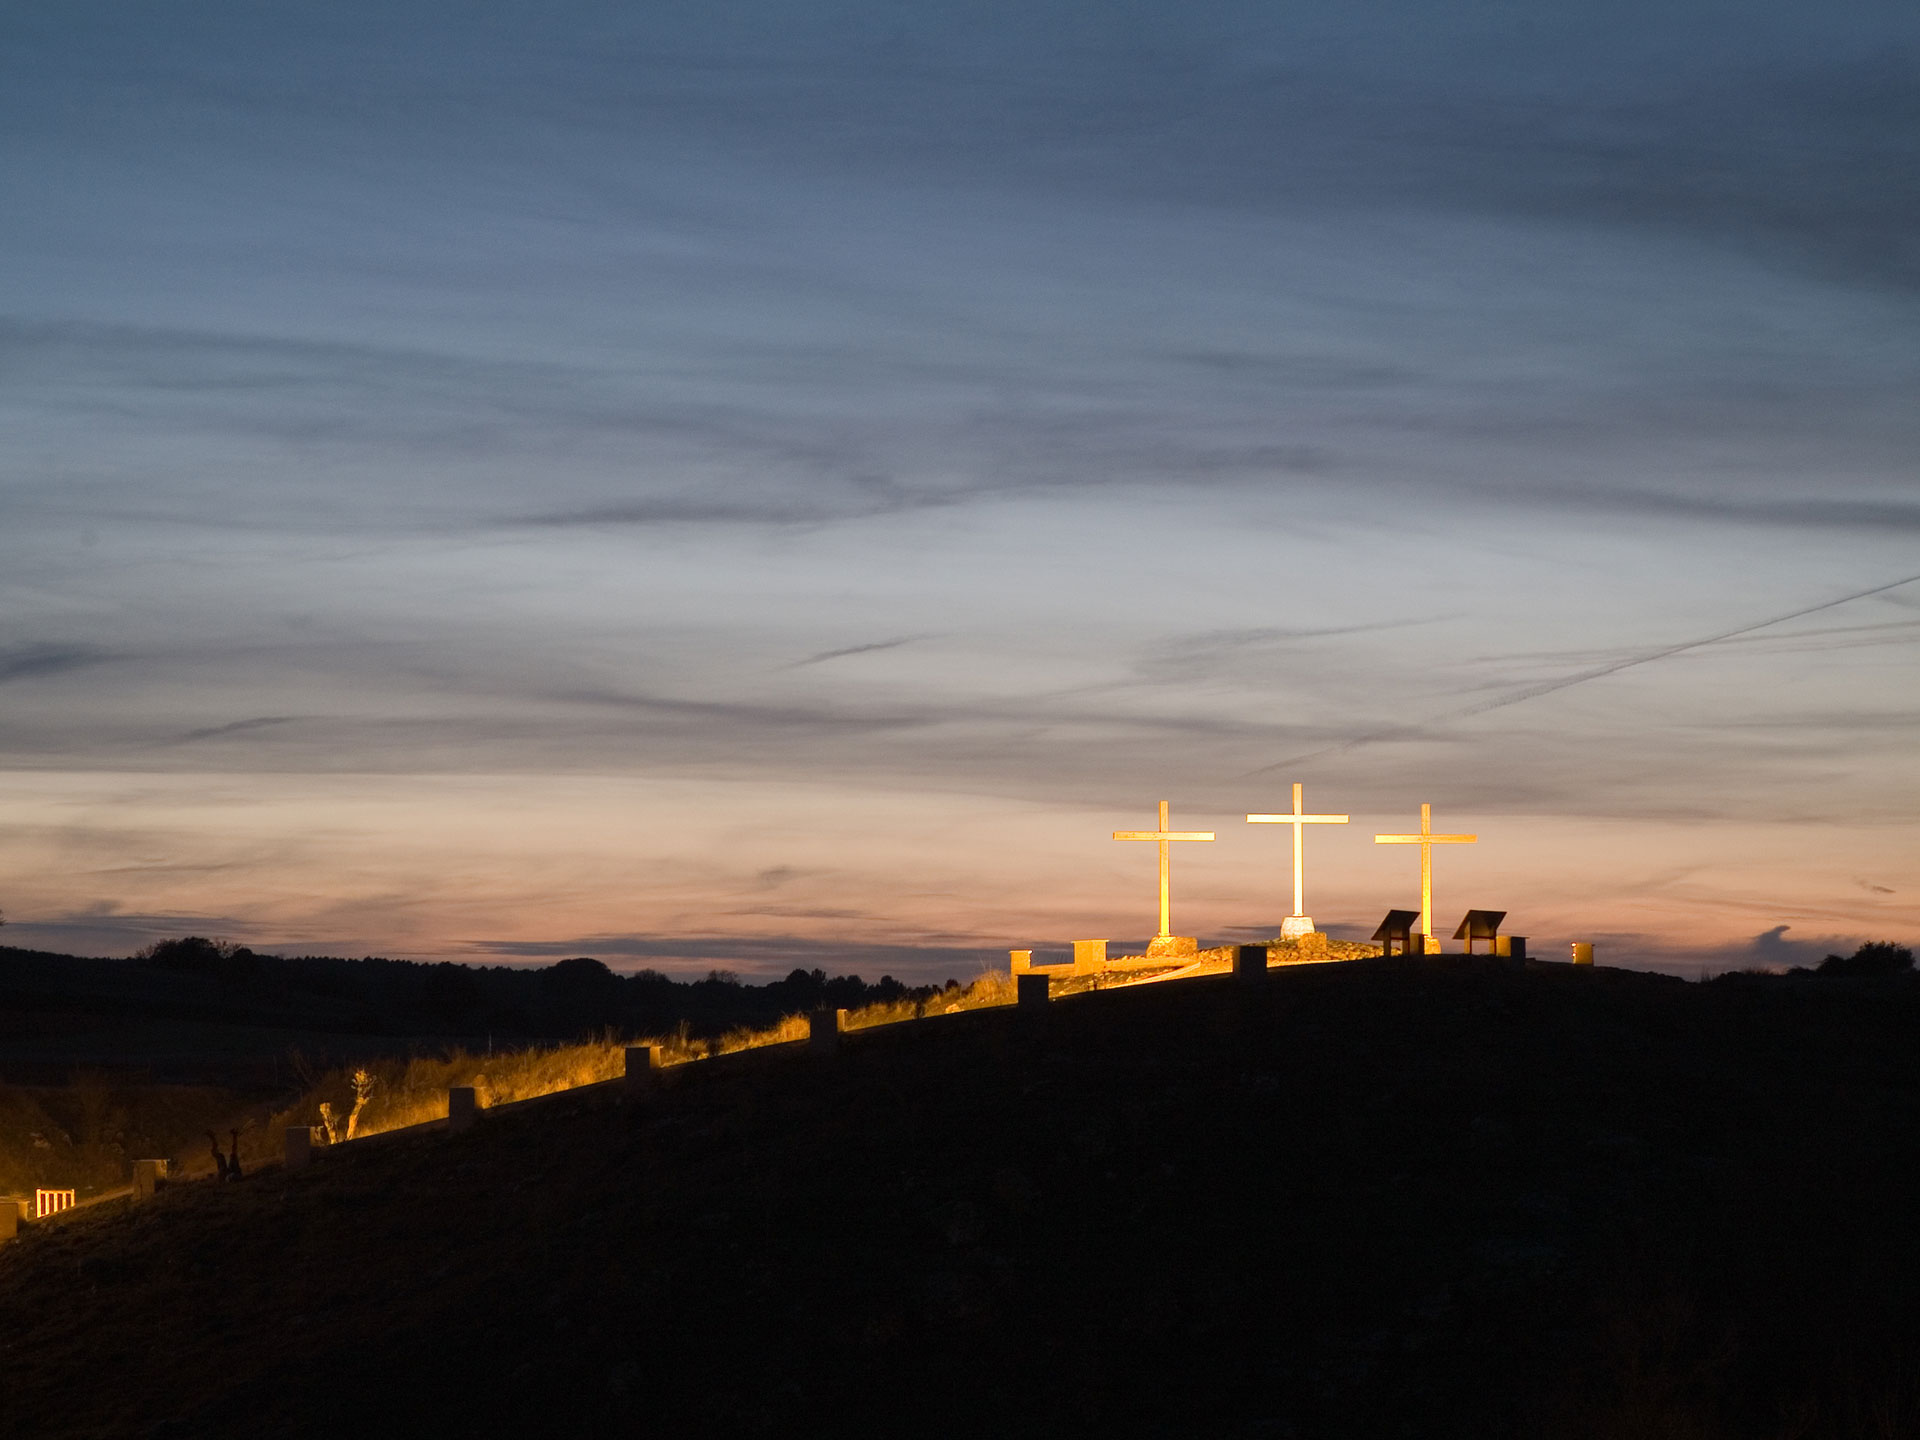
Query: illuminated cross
<point x="1426" y="840"/>
<point x="1299" y="822"/>
<point x="1163" y="835"/>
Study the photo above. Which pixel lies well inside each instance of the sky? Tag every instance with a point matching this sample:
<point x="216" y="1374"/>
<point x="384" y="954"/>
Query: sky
<point x="768" y="484"/>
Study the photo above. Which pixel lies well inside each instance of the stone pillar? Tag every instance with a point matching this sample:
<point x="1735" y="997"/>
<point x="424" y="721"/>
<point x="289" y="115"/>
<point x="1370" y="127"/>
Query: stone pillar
<point x="9" y="1221"/>
<point x="1022" y="961"/>
<point x="642" y="1061"/>
<point x="1250" y="963"/>
<point x="823" y="1030"/>
<point x="299" y="1146"/>
<point x="463" y="1109"/>
<point x="1583" y="952"/>
<point x="147" y="1175"/>
<point x="1034" y="993"/>
<point x="1089" y="957"/>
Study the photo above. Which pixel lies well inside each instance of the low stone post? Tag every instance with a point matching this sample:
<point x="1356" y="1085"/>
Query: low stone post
<point x="9" y="1221"/>
<point x="1089" y="957"/>
<point x="1022" y="961"/>
<point x="1583" y="952"/>
<point x="463" y="1109"/>
<point x="823" y="1031"/>
<point x="1250" y="963"/>
<point x="299" y="1146"/>
<point x="1034" y="993"/>
<point x="147" y="1175"/>
<point x="642" y="1061"/>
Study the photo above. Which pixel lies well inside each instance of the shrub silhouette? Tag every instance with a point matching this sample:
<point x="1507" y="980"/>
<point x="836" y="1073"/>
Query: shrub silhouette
<point x="581" y="976"/>
<point x="1875" y="958"/>
<point x="196" y="955"/>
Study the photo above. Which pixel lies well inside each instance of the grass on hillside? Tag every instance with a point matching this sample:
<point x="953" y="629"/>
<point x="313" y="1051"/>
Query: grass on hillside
<point x="414" y="1091"/>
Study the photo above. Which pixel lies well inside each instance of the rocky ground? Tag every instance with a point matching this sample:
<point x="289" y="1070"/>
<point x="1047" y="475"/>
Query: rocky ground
<point x="1428" y="1198"/>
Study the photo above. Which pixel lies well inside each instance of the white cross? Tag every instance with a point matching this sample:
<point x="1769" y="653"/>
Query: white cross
<point x="1299" y="822"/>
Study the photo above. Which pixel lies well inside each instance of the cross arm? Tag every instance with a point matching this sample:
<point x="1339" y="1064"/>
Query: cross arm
<point x="1163" y="834"/>
<point x="1425" y="839"/>
<point x="1298" y="819"/>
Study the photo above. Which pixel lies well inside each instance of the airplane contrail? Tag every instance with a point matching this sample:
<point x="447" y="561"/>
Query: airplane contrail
<point x="1599" y="672"/>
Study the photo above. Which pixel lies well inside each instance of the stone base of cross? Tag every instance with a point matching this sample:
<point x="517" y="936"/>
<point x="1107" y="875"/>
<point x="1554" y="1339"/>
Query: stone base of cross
<point x="1174" y="947"/>
<point x="1295" y="926"/>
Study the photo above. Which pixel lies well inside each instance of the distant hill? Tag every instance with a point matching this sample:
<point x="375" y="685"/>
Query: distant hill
<point x="1433" y="1197"/>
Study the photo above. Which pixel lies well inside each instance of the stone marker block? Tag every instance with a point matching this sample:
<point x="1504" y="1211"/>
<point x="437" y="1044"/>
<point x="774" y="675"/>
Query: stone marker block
<point x="1034" y="993"/>
<point x="824" y="1028"/>
<point x="299" y="1146"/>
<point x="9" y="1221"/>
<point x="1022" y="961"/>
<point x="1089" y="956"/>
<point x="1514" y="947"/>
<point x="1297" y="927"/>
<point x="1250" y="962"/>
<point x="147" y="1175"/>
<point x="642" y="1062"/>
<point x="1583" y="952"/>
<point x="463" y="1109"/>
<point x="1173" y="947"/>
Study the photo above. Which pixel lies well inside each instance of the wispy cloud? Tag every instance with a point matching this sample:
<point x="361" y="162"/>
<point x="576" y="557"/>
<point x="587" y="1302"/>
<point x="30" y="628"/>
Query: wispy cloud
<point x="845" y="651"/>
<point x="240" y="727"/>
<point x="1586" y="676"/>
<point x="38" y="661"/>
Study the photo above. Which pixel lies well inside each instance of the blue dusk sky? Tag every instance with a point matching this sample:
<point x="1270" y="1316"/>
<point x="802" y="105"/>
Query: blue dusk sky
<point x="763" y="484"/>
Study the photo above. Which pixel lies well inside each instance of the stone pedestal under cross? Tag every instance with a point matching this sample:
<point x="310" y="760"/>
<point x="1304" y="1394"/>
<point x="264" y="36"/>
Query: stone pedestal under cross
<point x="1299" y="923"/>
<point x="1166" y="942"/>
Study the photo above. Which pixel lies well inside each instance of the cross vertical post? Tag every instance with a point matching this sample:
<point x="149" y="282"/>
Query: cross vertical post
<point x="1426" y="840"/>
<point x="1166" y="899"/>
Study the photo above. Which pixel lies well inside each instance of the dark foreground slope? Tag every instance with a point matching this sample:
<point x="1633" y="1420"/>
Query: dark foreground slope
<point x="1436" y="1198"/>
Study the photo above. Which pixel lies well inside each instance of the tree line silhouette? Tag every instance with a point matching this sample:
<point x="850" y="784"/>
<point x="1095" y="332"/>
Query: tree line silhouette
<point x="560" y="1001"/>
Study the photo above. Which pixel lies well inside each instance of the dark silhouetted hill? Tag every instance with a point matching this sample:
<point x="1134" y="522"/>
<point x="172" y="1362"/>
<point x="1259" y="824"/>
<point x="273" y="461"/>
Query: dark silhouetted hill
<point x="1431" y="1197"/>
